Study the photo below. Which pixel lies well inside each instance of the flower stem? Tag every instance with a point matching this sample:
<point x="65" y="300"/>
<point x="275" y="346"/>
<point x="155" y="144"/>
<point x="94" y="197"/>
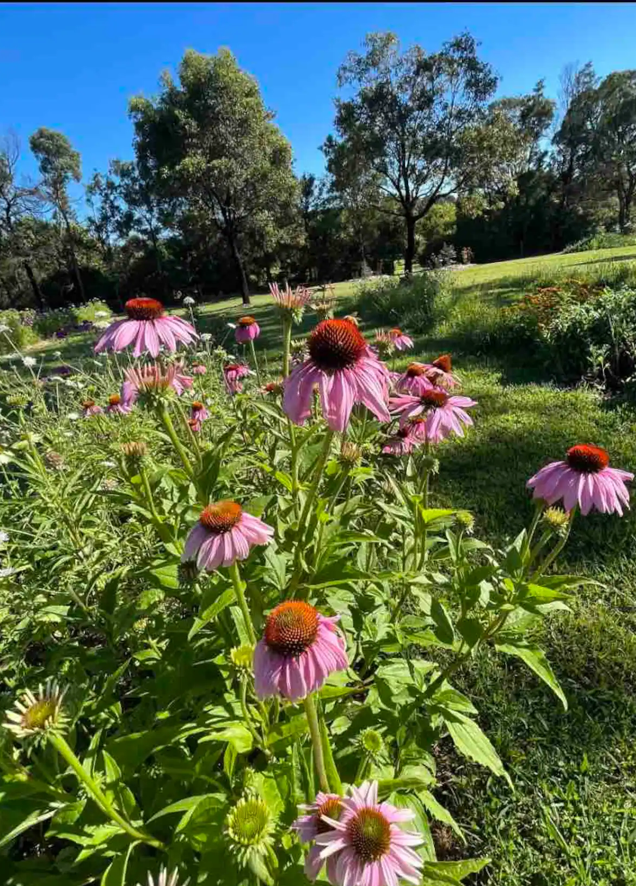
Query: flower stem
<point x="314" y="730"/>
<point x="162" y="529"/>
<point x="242" y="602"/>
<point x="311" y="497"/>
<point x="61" y="746"/>
<point x="164" y="415"/>
<point x="549" y="560"/>
<point x="256" y="368"/>
<point x="287" y="331"/>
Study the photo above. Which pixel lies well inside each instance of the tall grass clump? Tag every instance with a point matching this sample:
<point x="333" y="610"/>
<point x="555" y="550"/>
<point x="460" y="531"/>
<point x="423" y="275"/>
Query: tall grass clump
<point x="416" y="302"/>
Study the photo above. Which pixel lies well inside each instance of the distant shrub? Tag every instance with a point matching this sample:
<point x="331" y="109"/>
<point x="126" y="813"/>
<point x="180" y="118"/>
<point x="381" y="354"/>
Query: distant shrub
<point x="604" y="240"/>
<point x="15" y="328"/>
<point x="412" y="303"/>
<point x="61" y="322"/>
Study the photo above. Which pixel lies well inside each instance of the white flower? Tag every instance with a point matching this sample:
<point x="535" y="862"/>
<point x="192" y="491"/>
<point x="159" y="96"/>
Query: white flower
<point x="166" y="880"/>
<point x="4" y="536"/>
<point x="73" y="416"/>
<point x="7" y="571"/>
<point x="102" y="314"/>
<point x="188" y="300"/>
<point x="29" y="361"/>
<point x="57" y="355"/>
<point x="206" y="336"/>
<point x="39" y="713"/>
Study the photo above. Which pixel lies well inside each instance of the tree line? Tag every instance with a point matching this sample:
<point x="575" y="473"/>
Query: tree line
<point x="421" y="154"/>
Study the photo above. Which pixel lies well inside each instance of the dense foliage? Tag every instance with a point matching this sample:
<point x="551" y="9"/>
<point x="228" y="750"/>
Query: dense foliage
<point x="159" y="734"/>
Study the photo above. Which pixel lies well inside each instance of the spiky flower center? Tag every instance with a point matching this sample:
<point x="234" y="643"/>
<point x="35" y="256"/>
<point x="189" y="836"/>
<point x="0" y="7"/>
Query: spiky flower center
<point x="197" y="405"/>
<point x="369" y="833"/>
<point x="242" y="657"/>
<point x="221" y="516"/>
<point x="336" y="345"/>
<point x="372" y="741"/>
<point x="248" y="822"/>
<point x="232" y="367"/>
<point x="587" y="459"/>
<point x="88" y="404"/>
<point x="332" y="808"/>
<point x="415" y="370"/>
<point x="144" y="308"/>
<point x="40" y="713"/>
<point x="433" y="399"/>
<point x="273" y="387"/>
<point x="443" y="362"/>
<point x="292" y="627"/>
<point x="246" y="321"/>
<point x="114" y="400"/>
<point x="403" y="432"/>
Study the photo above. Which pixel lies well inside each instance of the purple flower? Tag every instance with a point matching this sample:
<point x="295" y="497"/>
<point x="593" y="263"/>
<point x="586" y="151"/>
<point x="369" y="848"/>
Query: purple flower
<point x="372" y="850"/>
<point x="346" y="372"/>
<point x="310" y="825"/>
<point x="247" y="330"/>
<point x="232" y="375"/>
<point x="444" y="413"/>
<point x="225" y="533"/>
<point x="298" y="651"/>
<point x="584" y="479"/>
<point x="147" y="328"/>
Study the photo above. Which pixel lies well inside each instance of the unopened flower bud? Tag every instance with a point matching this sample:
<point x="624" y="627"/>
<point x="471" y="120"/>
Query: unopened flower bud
<point x="465" y="520"/>
<point x="54" y="460"/>
<point x="350" y="454"/>
<point x="242" y="658"/>
<point x="557" y="520"/>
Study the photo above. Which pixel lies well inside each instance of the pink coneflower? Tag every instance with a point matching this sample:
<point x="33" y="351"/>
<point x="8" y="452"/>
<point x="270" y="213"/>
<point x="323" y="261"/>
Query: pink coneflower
<point x="182" y="382"/>
<point x="198" y="414"/>
<point x="372" y="850"/>
<point x="584" y="479"/>
<point x="290" y="300"/>
<point x="199" y="369"/>
<point x="346" y="372"/>
<point x="401" y="342"/>
<point x="439" y="372"/>
<point x="414" y="380"/>
<point x="225" y="533"/>
<point x="299" y="650"/>
<point x="118" y="405"/>
<point x="90" y="407"/>
<point x="310" y="825"/>
<point x="401" y="444"/>
<point x="444" y="413"/>
<point x="232" y="374"/>
<point x="147" y="327"/>
<point x="247" y="330"/>
<point x="150" y="379"/>
<point x="273" y="388"/>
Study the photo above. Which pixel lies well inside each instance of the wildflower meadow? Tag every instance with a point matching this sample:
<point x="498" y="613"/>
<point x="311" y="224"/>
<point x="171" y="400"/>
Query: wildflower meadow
<point x="231" y="617"/>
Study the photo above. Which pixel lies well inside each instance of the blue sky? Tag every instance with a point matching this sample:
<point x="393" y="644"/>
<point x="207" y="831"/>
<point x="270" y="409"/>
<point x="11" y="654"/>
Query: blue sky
<point x="73" y="67"/>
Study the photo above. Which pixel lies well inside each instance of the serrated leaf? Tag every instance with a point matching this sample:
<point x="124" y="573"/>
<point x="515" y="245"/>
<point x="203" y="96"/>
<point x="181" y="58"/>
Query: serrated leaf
<point x="469" y="740"/>
<point x="536" y="660"/>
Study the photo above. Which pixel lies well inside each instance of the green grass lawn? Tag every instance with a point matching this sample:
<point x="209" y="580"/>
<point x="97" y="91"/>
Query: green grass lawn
<point x="572" y="818"/>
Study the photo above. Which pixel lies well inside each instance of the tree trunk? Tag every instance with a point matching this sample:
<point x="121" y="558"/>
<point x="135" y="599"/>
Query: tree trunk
<point x="240" y="268"/>
<point x="409" y="254"/>
<point x="76" y="270"/>
<point x="35" y="286"/>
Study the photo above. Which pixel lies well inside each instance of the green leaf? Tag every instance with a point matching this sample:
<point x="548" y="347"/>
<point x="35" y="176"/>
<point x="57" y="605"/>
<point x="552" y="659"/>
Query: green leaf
<point x="473" y="743"/>
<point x="456" y="869"/>
<point x="439" y="812"/>
<point x="184" y="805"/>
<point x="33" y="818"/>
<point x="211" y="607"/>
<point x="536" y="660"/>
<point x="444" y="630"/>
<point x="115" y="874"/>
